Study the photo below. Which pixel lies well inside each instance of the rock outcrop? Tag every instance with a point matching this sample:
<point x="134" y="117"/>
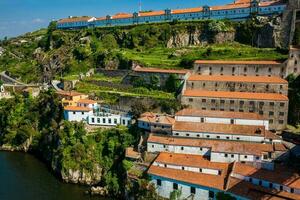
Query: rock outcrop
<point x="83" y="176"/>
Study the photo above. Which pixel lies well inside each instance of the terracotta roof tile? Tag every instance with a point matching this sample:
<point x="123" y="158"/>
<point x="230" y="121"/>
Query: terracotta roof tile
<point x="122" y="16"/>
<point x="219" y="114"/>
<point x="151" y="13"/>
<point x="77" y="108"/>
<point x="201" y="179"/>
<point x="187" y="10"/>
<point x="130" y="153"/>
<point x="236" y="62"/>
<point x="219" y="128"/>
<point x="230" y="6"/>
<point x="248" y="79"/>
<point x="235" y="95"/>
<point x="69" y="93"/>
<point x="281" y="174"/>
<point x="251" y="191"/>
<point x="191" y="161"/>
<point x="155" y="118"/>
<point x="86" y="101"/>
<point x="157" y="70"/>
<point x="215" y="145"/>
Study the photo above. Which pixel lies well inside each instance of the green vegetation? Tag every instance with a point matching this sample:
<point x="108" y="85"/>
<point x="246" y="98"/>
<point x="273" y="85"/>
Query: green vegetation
<point x="294" y="99"/>
<point x="36" y="125"/>
<point x="51" y="53"/>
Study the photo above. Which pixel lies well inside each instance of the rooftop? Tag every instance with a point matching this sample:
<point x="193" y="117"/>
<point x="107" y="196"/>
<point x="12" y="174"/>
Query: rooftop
<point x="130" y="153"/>
<point x="251" y="191"/>
<point x="219" y="114"/>
<point x="237" y="62"/>
<point x="235" y="95"/>
<point x="215" y="145"/>
<point x="208" y="180"/>
<point x="247" y="79"/>
<point x="69" y="93"/>
<point x="77" y="108"/>
<point x="86" y="101"/>
<point x="281" y="174"/>
<point x="75" y="19"/>
<point x="219" y="128"/>
<point x="156" y="118"/>
<point x="156" y="70"/>
<point x="191" y="161"/>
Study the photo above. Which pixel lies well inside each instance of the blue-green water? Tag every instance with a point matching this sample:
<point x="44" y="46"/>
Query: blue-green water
<point x="22" y="176"/>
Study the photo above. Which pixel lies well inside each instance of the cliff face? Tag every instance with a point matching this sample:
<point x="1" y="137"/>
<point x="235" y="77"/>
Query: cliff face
<point x="199" y="37"/>
<point x="83" y="176"/>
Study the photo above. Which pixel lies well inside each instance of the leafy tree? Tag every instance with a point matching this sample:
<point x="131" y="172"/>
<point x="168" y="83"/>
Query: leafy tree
<point x="80" y="53"/>
<point x="172" y="83"/>
<point x="294" y="99"/>
<point x="109" y="42"/>
<point x="154" y="82"/>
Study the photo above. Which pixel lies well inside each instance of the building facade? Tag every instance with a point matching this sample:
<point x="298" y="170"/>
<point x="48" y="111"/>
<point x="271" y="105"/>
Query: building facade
<point x="272" y="106"/>
<point x="221" y="117"/>
<point x="259" y="84"/>
<point x="156" y="123"/>
<point x="239" y="10"/>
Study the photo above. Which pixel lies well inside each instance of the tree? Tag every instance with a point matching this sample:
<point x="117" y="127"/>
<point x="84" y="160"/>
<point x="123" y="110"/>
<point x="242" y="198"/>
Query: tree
<point x="172" y="83"/>
<point x="109" y="42"/>
<point x="154" y="82"/>
<point x="137" y="108"/>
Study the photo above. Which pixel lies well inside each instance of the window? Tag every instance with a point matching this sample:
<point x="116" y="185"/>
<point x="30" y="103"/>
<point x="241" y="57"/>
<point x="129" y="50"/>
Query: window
<point x="165" y="165"/>
<point x="280" y="121"/>
<point x="271" y="113"/>
<point x="241" y="102"/>
<point x="218" y="137"/>
<point x="202" y="120"/>
<point x="226" y="155"/>
<point x="200" y="149"/>
<point x="93" y="120"/>
<point x="281" y="104"/>
<point x="82" y="113"/>
<point x="109" y="121"/>
<point x="213" y="101"/>
<point x="281" y="188"/>
<point x="238" y="138"/>
<point x="116" y="121"/>
<point x="231" y="101"/>
<point x="74" y="113"/>
<point x="207" y="136"/>
<point x="200" y="170"/>
<point x="158" y="182"/>
<point x="211" y="195"/>
<point x="193" y="190"/>
<point x="232" y="155"/>
<point x="250" y="180"/>
<point x="175" y="186"/>
<point x="98" y="120"/>
<point x="227" y="138"/>
<point x="182" y="168"/>
<point x="190" y="100"/>
<point x="270" y="185"/>
<point x="281" y="113"/>
<point x="182" y="148"/>
<point x="187" y="135"/>
<point x="271" y="103"/>
<point x="261" y="112"/>
<point x="271" y="121"/>
<point x="103" y="120"/>
<point x="245" y="156"/>
<point x="292" y="190"/>
<point x="222" y="101"/>
<point x="260" y="182"/>
<point x="123" y="121"/>
<point x="257" y="157"/>
<point x="203" y="100"/>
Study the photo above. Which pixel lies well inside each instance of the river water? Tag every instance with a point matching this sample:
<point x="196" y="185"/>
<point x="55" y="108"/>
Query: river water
<point x="23" y="177"/>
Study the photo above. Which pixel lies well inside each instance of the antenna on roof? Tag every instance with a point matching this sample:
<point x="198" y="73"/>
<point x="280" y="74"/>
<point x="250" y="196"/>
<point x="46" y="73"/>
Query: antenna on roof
<point x="140" y="6"/>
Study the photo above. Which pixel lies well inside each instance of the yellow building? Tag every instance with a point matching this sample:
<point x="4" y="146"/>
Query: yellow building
<point x="71" y="98"/>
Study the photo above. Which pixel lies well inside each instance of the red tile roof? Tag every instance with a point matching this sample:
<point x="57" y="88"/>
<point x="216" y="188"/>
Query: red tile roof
<point x="247" y="79"/>
<point x="219" y="114"/>
<point x="281" y="174"/>
<point x="236" y="62"/>
<point x="187" y="10"/>
<point x="251" y="191"/>
<point x="122" y="15"/>
<point x="219" y="128"/>
<point x="157" y="70"/>
<point x="156" y="118"/>
<point x="201" y="179"/>
<point x="235" y="95"/>
<point x="216" y="145"/>
<point x="191" y="161"/>
<point x="130" y="153"/>
<point x="86" y="101"/>
<point x="69" y="93"/>
<point x="77" y="108"/>
<point x="151" y="13"/>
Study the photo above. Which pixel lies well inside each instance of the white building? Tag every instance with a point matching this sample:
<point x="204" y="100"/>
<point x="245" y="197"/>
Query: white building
<point x="221" y="117"/>
<point x="239" y="10"/>
<point x="196" y="177"/>
<point x="89" y="111"/>
<point x="219" y="131"/>
<point x="258" y="154"/>
<point x="153" y="123"/>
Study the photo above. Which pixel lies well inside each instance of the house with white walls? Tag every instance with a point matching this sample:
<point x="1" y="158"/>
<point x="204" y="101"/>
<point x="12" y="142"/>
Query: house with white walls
<point x="197" y="177"/>
<point x="156" y="123"/>
<point x="221" y="117"/>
